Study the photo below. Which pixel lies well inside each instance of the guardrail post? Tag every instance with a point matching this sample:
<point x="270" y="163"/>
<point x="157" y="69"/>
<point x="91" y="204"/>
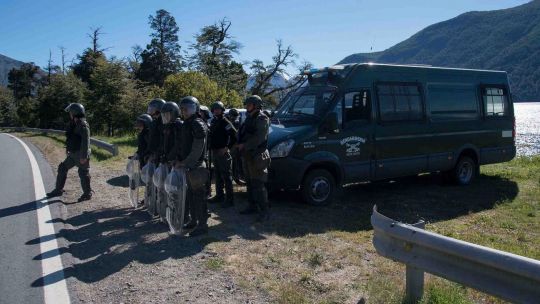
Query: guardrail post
<point x="414" y="278"/>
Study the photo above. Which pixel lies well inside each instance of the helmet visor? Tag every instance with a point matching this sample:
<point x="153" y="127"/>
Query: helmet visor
<point x="187" y="110"/>
<point x="167" y="117"/>
<point x="151" y="110"/>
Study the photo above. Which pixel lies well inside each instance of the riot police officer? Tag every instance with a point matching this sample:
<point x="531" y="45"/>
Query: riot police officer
<point x="233" y="117"/>
<point x="170" y="113"/>
<point x="222" y="137"/>
<point x="190" y="155"/>
<point x="78" y="152"/>
<point x="156" y="129"/>
<point x="153" y="150"/>
<point x="143" y="125"/>
<point x="253" y="146"/>
<point x="170" y="117"/>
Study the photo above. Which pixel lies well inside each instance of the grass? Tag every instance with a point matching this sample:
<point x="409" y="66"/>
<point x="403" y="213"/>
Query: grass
<point x="214" y="263"/>
<point x="315" y="260"/>
<point x="325" y="255"/>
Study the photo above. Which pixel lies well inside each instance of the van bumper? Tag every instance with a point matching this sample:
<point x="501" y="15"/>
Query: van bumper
<point x="286" y="173"/>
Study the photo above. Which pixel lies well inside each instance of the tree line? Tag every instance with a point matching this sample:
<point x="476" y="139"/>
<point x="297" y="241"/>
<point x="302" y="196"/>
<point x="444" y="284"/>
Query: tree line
<point x="116" y="90"/>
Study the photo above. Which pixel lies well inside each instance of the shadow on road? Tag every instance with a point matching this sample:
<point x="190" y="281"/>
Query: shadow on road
<point x="26" y="207"/>
<point x="107" y="240"/>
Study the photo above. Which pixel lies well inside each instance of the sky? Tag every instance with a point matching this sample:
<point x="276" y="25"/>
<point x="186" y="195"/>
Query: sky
<point x="320" y="31"/>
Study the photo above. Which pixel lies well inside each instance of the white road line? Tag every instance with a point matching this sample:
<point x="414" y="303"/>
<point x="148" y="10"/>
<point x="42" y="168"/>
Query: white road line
<point x="54" y="292"/>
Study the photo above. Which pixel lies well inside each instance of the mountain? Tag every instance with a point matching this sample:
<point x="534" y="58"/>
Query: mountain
<point x="507" y="39"/>
<point x="6" y="64"/>
<point x="278" y="80"/>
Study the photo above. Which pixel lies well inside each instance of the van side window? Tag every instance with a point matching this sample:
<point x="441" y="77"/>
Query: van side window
<point x="357" y="105"/>
<point x="452" y="102"/>
<point x="495" y="102"/>
<point x="399" y="102"/>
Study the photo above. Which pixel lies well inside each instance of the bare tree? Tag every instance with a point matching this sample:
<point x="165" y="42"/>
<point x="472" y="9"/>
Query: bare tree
<point x="263" y="74"/>
<point x="136" y="51"/>
<point x="49" y="67"/>
<point x="95" y="34"/>
<point x="63" y="58"/>
<point x="133" y="62"/>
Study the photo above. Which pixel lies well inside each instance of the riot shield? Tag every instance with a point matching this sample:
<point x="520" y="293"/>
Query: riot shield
<point x="176" y="188"/>
<point x="147" y="174"/>
<point x="159" y="181"/>
<point x="134" y="174"/>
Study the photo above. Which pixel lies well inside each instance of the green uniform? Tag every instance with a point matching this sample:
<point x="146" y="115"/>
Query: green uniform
<point x="256" y="159"/>
<point x="77" y="148"/>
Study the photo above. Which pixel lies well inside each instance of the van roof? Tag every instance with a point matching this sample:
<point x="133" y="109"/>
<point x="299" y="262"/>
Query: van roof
<point x="414" y="66"/>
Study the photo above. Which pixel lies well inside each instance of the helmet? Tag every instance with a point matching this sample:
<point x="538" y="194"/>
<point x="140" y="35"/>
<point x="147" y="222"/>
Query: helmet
<point x="203" y="110"/>
<point x="190" y="105"/>
<point x="145" y="119"/>
<point x="155" y="105"/>
<point x="234" y="113"/>
<point x="255" y="100"/>
<point x="76" y="109"/>
<point x="217" y="105"/>
<point x="169" y="112"/>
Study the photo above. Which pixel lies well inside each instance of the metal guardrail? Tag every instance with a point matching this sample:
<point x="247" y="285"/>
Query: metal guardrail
<point x="113" y="149"/>
<point x="508" y="276"/>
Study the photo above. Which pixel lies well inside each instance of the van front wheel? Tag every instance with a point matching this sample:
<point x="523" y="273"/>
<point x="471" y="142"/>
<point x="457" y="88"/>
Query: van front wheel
<point x="318" y="187"/>
<point x="464" y="171"/>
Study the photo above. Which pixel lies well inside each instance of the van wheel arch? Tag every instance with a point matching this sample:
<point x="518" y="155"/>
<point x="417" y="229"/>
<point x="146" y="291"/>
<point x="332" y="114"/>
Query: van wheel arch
<point x="465" y="169"/>
<point x="319" y="176"/>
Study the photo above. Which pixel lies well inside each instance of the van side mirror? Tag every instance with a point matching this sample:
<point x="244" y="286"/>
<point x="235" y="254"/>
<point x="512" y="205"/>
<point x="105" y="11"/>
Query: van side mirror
<point x="330" y="124"/>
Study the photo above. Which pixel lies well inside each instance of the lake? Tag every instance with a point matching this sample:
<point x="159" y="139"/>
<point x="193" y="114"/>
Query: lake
<point x="527" y="128"/>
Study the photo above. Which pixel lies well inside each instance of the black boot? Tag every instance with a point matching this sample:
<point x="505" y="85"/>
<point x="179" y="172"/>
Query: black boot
<point x="189" y="225"/>
<point x="199" y="230"/>
<point x="251" y="209"/>
<point x="85" y="197"/>
<point x="227" y="204"/>
<point x="263" y="217"/>
<point x="55" y="193"/>
<point x="216" y="199"/>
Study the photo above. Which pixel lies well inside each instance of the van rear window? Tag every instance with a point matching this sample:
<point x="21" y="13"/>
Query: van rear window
<point x="399" y="102"/>
<point x="495" y="101"/>
<point x="449" y="102"/>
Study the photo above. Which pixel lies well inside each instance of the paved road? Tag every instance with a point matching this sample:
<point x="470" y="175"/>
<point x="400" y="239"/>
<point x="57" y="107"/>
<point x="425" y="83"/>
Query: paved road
<point x="22" y="265"/>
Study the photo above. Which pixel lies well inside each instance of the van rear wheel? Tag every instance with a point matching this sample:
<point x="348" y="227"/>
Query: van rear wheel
<point x="318" y="187"/>
<point x="464" y="172"/>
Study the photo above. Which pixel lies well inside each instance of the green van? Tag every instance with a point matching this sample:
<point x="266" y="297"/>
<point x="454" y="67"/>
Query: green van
<point x="367" y="122"/>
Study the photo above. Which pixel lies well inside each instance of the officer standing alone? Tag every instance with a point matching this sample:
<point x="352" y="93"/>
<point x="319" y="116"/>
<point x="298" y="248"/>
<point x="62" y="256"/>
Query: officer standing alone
<point x="222" y="137"/>
<point x="253" y="146"/>
<point x="78" y="153"/>
<point x="190" y="155"/>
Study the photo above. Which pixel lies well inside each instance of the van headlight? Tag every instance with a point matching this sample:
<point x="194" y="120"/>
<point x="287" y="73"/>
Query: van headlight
<point x="282" y="149"/>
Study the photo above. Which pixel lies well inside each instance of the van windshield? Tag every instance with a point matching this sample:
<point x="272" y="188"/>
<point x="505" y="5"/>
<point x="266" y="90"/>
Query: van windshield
<point x="306" y="105"/>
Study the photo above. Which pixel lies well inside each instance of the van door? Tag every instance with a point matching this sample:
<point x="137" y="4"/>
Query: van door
<point x="402" y="134"/>
<point x="353" y="144"/>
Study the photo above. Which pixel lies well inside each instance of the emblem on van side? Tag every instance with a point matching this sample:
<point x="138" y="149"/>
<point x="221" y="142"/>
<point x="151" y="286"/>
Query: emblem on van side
<point x="352" y="145"/>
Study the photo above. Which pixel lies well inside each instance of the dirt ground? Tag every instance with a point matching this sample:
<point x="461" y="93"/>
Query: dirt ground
<point x="304" y="254"/>
<point x="121" y="255"/>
